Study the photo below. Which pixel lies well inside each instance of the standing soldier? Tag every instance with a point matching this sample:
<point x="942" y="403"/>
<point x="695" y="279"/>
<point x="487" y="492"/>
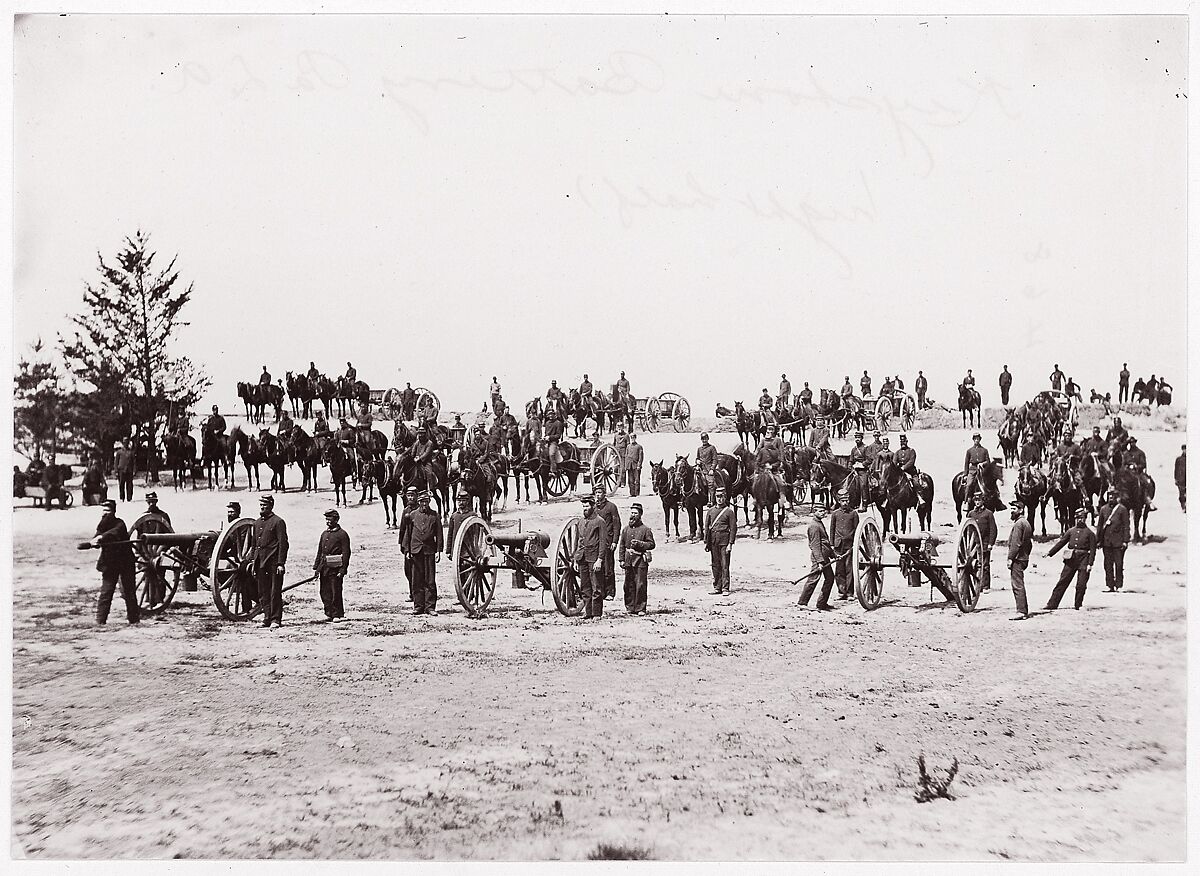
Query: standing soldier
<point x="510" y="430"/>
<point x="1181" y="477"/>
<point x="822" y="560"/>
<point x="116" y="564"/>
<point x="423" y="545"/>
<point x="633" y="459"/>
<point x="1005" y="385"/>
<point x="637" y="541"/>
<point x="461" y="513"/>
<point x="623" y="386"/>
<point x="986" y="520"/>
<point x="410" y="505"/>
<point x="858" y="489"/>
<point x="706" y="461"/>
<point x="408" y="401"/>
<point x="977" y="455"/>
<point x="233" y="511"/>
<point x="1020" y="545"/>
<point x="608" y="512"/>
<point x="1077" y="561"/>
<point x="332" y="564"/>
<point x="124" y="464"/>
<point x="785" y="390"/>
<point x="1056" y="378"/>
<point x="1151" y="392"/>
<point x="921" y="385"/>
<point x="620" y="442"/>
<point x="842" y="526"/>
<point x="1112" y="533"/>
<point x="806" y="395"/>
<point x="494" y="392"/>
<point x="264" y="379"/>
<point x="152" y="509"/>
<point x="269" y="560"/>
<point x="720" y="532"/>
<point x="591" y="547"/>
<point x="1072" y="389"/>
<point x="864" y="383"/>
<point x="352" y="374"/>
<point x="1123" y="385"/>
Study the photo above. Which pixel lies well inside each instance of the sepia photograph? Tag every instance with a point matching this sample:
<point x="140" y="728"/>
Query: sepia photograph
<point x="599" y="437"/>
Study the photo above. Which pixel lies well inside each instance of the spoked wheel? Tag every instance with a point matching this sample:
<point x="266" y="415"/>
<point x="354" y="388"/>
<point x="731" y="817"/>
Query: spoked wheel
<point x="557" y="482"/>
<point x="231" y="571"/>
<point x="908" y="412"/>
<point x="681" y="414"/>
<point x="606" y="468"/>
<point x="867" y="563"/>
<point x="968" y="566"/>
<point x="883" y="414"/>
<point x="653" y="413"/>
<point x="157" y="578"/>
<point x="474" y="565"/>
<point x="565" y="581"/>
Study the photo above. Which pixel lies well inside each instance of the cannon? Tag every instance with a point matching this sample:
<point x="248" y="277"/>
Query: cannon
<point x="478" y="553"/>
<point x="918" y="558"/>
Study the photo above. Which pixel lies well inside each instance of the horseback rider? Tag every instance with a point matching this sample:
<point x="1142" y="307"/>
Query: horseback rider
<point x="351" y="374"/>
<point x="321" y="426"/>
<point x="344" y="435"/>
<point x="806" y="395"/>
<point x="1134" y="456"/>
<point x="427" y="416"/>
<point x="555" y="398"/>
<point x="214" y="426"/>
<point x="264" y="379"/>
<point x="313" y="373"/>
<point x="884" y="457"/>
<point x="818" y="440"/>
<point x="458" y="430"/>
<point x="906" y="457"/>
<point x="873" y="449"/>
<point x="706" y="462"/>
<point x="765" y="402"/>
<point x="977" y="455"/>
<point x="847" y="388"/>
<point x="1117" y="434"/>
<point x="770" y="452"/>
<point x="1069" y="450"/>
<point x="585" y="388"/>
<point x="1094" y="444"/>
<point x="968" y="382"/>
<point x="1031" y="453"/>
<point x="858" y="453"/>
<point x="364" y="420"/>
<point x="286" y="424"/>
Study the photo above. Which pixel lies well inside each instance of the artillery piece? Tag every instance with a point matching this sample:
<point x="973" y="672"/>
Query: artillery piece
<point x="918" y="555"/>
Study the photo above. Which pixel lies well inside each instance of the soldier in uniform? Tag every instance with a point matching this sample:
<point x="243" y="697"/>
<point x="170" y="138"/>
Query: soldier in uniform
<point x="233" y="511"/>
<point x="608" y="512"/>
<point x="494" y="392"/>
<point x="585" y="388"/>
<point x="623" y="386"/>
<point x="152" y="508"/>
<point x="458" y="431"/>
<point x="364" y="421"/>
<point x="269" y="560"/>
<point x="822" y="560"/>
<point x="859" y="486"/>
<point x="842" y="526"/>
<point x="1077" y="561"/>
<point x="770" y="451"/>
<point x="632" y="465"/>
<point x="215" y="424"/>
<point x="554" y="397"/>
<point x="591" y="548"/>
<point x="321" y="426"/>
<point x="461" y="513"/>
<point x="313" y="374"/>
<point x="1069" y="450"/>
<point x="264" y="379"/>
<point x="864" y="383"/>
<point x="921" y="386"/>
<point x="1057" y="378"/>
<point x="1181" y="477"/>
<point x="1020" y="545"/>
<point x="847" y="388"/>
<point x="1031" y="453"/>
<point x="344" y="435"/>
<point x="859" y="453"/>
<point x="124" y="465"/>
<point x="1134" y="455"/>
<point x="621" y="442"/>
<point x="332" y="564"/>
<point x="720" y="533"/>
<point x="115" y="565"/>
<point x="352" y="374"/>
<point x="706" y="461"/>
<point x="906" y="457"/>
<point x="1094" y="444"/>
<point x="408" y="402"/>
<point x="422" y="544"/>
<point x="1117" y="434"/>
<point x="873" y="450"/>
<point x="1005" y="385"/>
<point x="887" y="387"/>
<point x="554" y="433"/>
<point x="785" y="390"/>
<point x="806" y="395"/>
<point x="765" y="402"/>
<point x="1123" y="386"/>
<point x="637" y="541"/>
<point x="884" y="457"/>
<point x="976" y="456"/>
<point x="968" y="382"/>
<point x="986" y="520"/>
<point x="510" y="431"/>
<point x="1112" y="534"/>
<point x="410" y="505"/>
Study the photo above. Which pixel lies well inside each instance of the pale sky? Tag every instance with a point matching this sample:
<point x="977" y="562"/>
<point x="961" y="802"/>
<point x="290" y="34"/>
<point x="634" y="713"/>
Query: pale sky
<point x="705" y="202"/>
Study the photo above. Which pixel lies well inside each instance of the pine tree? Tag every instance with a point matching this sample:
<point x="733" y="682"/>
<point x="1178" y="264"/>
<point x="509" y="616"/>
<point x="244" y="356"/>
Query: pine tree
<point x="122" y="351"/>
<point x="38" y="402"/>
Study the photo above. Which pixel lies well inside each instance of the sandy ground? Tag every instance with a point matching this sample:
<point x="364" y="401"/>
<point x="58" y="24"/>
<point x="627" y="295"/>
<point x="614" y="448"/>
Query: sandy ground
<point x="737" y="727"/>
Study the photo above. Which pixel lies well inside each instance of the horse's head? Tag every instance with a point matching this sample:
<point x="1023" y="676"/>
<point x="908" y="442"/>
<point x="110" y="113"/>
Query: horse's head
<point x="658" y="476"/>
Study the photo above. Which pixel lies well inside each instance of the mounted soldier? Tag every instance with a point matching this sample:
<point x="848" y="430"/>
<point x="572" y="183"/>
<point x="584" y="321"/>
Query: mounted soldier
<point x="858" y="453"/>
<point x="555" y="398"/>
<point x="976" y="456"/>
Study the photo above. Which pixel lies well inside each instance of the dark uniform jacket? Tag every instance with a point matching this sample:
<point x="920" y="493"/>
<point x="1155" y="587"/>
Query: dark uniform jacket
<point x="608" y="512"/>
<point x="873" y="449"/>
<point x="1069" y="451"/>
<point x="975" y="455"/>
<point x="1020" y="541"/>
<point x="987" y="526"/>
<point x="215" y="424"/>
<point x="621" y="442"/>
<point x="1181" y="470"/>
<point x="1134" y="456"/>
<point x="635" y="455"/>
<point x="113" y="556"/>
<point x="906" y="458"/>
<point x="585" y="388"/>
<point x="921" y="384"/>
<point x="334" y="542"/>
<point x="423" y="534"/>
<point x="706" y="456"/>
<point x="818" y="542"/>
<point x="858" y="453"/>
<point x="270" y="542"/>
<point x="720" y="526"/>
<point x="592" y="542"/>
<point x="554" y="430"/>
<point x="1005" y="379"/>
<point x="1093" y="444"/>
<point x="456" y="520"/>
<point x="1031" y="453"/>
<point x="123" y="461"/>
<point x="1080" y="542"/>
<point x="264" y="379"/>
<point x="806" y="395"/>
<point x="636" y="541"/>
<point x="842" y="525"/>
<point x="785" y="388"/>
<point x="1112" y="527"/>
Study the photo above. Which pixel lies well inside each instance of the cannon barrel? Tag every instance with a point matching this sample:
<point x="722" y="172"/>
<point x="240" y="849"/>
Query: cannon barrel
<point x="913" y="539"/>
<point x="518" y="539"/>
<point x="179" y="539"/>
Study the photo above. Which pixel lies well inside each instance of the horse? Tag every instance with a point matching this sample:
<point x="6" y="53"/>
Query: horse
<point x="344" y="393"/>
<point x="1066" y="492"/>
<point x="252" y="456"/>
<point x="326" y="389"/>
<point x="1009" y="437"/>
<point x="897" y="492"/>
<point x="277" y="453"/>
<point x="970" y="403"/>
<point x="387" y="479"/>
<point x="245" y="391"/>
<point x="293" y="391"/>
<point x="694" y="490"/>
<point x="236" y="445"/>
<point x="747" y="424"/>
<point x="181" y="458"/>
<point x="767" y="487"/>
<point x="987" y="480"/>
<point x="341" y="465"/>
<point x="1136" y="489"/>
<point x="804" y="476"/>
<point x="306" y="451"/>
<point x="668" y="490"/>
<point x="215" y="457"/>
<point x="581" y="408"/>
<point x="478" y="477"/>
<point x="432" y="476"/>
<point x="1032" y="492"/>
<point x="1095" y="475"/>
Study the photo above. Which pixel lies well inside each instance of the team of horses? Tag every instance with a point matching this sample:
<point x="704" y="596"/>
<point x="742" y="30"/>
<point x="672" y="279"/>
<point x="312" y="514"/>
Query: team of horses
<point x="302" y="391"/>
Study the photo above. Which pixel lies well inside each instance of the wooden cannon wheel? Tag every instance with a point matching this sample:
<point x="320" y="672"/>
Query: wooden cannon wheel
<point x="564" y="581"/>
<point x="866" y="562"/>
<point x="606" y="468"/>
<point x="968" y="566"/>
<point x="156" y="574"/>
<point x="474" y="564"/>
<point x="231" y="574"/>
<point x="558" y="482"/>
